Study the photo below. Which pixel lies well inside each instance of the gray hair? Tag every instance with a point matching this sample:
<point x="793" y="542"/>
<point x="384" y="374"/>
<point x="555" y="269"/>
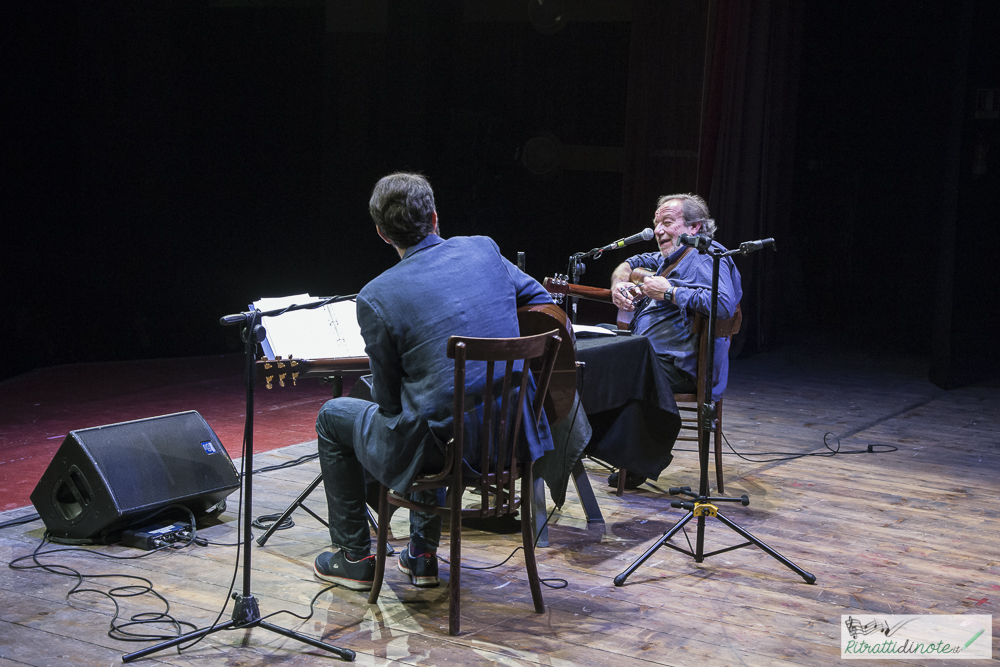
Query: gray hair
<point x="402" y="206"/>
<point x="695" y="210"/>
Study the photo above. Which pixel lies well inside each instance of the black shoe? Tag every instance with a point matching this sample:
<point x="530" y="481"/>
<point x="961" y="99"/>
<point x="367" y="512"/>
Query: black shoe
<point x="631" y="481"/>
<point x="422" y="570"/>
<point x="335" y="567"/>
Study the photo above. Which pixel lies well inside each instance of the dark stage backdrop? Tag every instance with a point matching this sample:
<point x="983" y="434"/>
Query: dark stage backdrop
<point x="174" y="161"/>
<point x="897" y="181"/>
<point x="167" y="163"/>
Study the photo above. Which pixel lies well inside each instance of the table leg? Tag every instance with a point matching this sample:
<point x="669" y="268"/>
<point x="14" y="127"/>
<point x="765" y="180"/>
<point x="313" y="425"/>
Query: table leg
<point x="586" y="493"/>
<point x="336" y="383"/>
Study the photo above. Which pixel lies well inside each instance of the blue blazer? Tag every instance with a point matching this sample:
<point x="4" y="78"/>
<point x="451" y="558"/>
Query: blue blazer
<point x="462" y="286"/>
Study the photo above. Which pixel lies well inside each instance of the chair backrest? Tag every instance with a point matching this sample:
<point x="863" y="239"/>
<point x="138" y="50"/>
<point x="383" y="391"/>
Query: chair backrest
<point x="724" y="328"/>
<point x="499" y="430"/>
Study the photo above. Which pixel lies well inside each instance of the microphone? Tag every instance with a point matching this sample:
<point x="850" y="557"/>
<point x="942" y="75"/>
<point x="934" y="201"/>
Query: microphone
<point x="697" y="241"/>
<point x="754" y="246"/>
<point x="644" y="235"/>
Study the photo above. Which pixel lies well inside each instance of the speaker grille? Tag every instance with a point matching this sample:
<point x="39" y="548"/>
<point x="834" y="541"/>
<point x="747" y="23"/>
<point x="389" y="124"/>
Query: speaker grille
<point x="103" y="478"/>
<point x="150" y="461"/>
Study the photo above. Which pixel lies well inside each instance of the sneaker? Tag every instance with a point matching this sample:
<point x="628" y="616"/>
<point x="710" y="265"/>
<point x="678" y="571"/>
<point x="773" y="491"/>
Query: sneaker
<point x="422" y="570"/>
<point x="631" y="481"/>
<point x="335" y="567"/>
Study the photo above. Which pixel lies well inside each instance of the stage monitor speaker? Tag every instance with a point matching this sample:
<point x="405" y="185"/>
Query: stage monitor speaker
<point x="106" y="478"/>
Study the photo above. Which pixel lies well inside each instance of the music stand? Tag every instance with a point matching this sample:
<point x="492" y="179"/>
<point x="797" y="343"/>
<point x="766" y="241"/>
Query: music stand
<point x="246" y="612"/>
<point x="702" y="504"/>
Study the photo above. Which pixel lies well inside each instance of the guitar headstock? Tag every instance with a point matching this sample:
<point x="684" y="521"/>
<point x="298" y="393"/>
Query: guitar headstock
<point x="557" y="286"/>
<point x="283" y="369"/>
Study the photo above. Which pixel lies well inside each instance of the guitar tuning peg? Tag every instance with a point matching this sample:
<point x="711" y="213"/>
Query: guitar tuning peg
<point x="268" y="380"/>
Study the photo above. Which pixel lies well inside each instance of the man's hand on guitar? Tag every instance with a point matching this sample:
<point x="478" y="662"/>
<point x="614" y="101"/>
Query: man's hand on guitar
<point x="623" y="294"/>
<point x="655" y="287"/>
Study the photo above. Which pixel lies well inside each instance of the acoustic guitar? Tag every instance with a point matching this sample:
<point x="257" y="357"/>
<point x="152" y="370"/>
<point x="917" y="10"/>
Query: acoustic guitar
<point x="724" y="327"/>
<point x="560" y="287"/>
<point x="532" y="320"/>
<point x="542" y="318"/>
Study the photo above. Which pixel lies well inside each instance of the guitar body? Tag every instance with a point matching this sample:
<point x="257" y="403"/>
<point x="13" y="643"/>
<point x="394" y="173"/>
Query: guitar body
<point x="624" y="319"/>
<point x="542" y="318"/>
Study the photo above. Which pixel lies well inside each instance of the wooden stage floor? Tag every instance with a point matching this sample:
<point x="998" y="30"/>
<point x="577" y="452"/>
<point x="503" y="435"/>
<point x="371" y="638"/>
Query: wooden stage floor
<point x="908" y="532"/>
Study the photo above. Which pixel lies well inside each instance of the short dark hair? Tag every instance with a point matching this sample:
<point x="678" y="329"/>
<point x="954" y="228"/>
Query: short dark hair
<point x="695" y="210"/>
<point x="402" y="206"/>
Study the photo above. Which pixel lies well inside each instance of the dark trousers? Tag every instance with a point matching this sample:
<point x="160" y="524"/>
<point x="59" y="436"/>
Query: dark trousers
<point x="344" y="479"/>
<point x="681" y="382"/>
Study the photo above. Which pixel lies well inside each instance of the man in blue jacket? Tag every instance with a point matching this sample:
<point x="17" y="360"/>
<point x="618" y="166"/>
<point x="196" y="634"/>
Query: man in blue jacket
<point x="461" y="286"/>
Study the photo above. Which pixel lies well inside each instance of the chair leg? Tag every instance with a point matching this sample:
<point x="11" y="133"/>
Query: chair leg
<point x="382" y="540"/>
<point x="621" y="481"/>
<point x="529" y="547"/>
<point x="455" y="567"/>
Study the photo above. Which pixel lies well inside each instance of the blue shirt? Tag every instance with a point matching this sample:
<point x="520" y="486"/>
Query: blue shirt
<point x="667" y="325"/>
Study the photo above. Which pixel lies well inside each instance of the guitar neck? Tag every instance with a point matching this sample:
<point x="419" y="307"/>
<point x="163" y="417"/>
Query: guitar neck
<point x="591" y="293"/>
<point x="581" y="291"/>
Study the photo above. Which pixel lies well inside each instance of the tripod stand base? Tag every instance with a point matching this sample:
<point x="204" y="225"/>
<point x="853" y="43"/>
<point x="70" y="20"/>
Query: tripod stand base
<point x="300" y="502"/>
<point x="699" y="555"/>
<point x="246" y="615"/>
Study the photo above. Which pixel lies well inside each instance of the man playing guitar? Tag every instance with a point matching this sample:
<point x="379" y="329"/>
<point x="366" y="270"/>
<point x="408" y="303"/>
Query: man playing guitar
<point x="663" y="290"/>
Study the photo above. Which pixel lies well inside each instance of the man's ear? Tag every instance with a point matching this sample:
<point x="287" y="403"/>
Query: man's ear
<point x="384" y="237"/>
<point x="434" y="223"/>
<point x="695" y="228"/>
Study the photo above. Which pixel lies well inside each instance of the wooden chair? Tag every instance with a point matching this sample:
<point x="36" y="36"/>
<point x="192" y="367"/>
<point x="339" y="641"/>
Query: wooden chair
<point x="689" y="405"/>
<point x="499" y="460"/>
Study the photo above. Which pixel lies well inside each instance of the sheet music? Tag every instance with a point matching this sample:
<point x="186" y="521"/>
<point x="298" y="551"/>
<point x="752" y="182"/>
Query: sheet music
<point x="330" y="332"/>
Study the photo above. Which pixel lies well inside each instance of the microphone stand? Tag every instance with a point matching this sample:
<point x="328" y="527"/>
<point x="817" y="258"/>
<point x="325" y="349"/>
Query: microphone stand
<point x="576" y="269"/>
<point x="246" y="612"/>
<point x="702" y="504"/>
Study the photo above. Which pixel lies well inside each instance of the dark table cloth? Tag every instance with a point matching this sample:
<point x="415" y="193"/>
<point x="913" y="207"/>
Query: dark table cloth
<point x="628" y="416"/>
<point x="629" y="404"/>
